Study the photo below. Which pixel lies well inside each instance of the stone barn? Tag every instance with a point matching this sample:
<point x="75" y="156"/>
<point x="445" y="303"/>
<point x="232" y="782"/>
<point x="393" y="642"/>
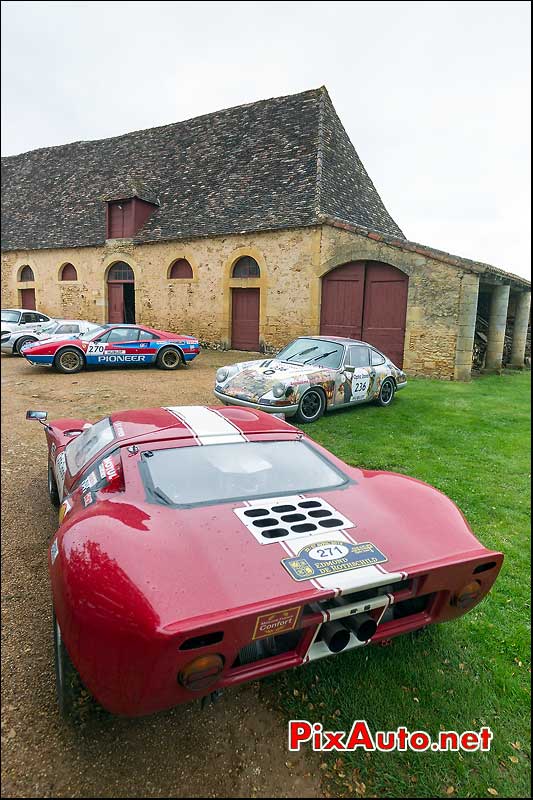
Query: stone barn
<point x="247" y="227"/>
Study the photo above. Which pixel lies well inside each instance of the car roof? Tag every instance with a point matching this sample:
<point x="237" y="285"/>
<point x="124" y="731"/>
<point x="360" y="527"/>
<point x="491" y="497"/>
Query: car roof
<point x="339" y="339"/>
<point x="83" y="321"/>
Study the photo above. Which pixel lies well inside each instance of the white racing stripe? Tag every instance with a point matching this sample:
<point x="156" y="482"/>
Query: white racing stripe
<point x="207" y="425"/>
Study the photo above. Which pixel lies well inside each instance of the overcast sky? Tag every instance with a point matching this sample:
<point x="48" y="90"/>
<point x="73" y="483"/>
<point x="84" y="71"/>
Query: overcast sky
<point x="434" y="95"/>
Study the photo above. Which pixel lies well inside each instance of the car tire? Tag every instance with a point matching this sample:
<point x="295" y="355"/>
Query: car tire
<point x="68" y="684"/>
<point x="386" y="393"/>
<point x="169" y="358"/>
<point x="22" y="341"/>
<point x="53" y="491"/>
<point x="311" y="406"/>
<point x="69" y="360"/>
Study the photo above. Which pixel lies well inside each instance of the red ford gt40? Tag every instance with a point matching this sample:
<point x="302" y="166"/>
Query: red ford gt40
<point x="199" y="548"/>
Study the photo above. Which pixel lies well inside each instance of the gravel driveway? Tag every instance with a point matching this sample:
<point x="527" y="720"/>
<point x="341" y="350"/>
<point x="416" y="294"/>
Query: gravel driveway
<point x="236" y="748"/>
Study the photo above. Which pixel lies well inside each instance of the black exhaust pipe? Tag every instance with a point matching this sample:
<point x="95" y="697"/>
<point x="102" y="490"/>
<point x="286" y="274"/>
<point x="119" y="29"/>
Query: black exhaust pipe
<point x="336" y="636"/>
<point x="362" y="625"/>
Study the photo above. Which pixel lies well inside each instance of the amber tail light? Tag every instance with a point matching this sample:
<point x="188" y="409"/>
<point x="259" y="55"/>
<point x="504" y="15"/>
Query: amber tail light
<point x="468" y="595"/>
<point x="202" y="672"/>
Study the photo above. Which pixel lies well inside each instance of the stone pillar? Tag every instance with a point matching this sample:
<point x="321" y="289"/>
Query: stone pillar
<point x="521" y="322"/>
<point x="466" y="326"/>
<point x="497" y="322"/>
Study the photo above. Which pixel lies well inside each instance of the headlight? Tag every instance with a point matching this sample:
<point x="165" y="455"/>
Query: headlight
<point x="278" y="390"/>
<point x="222" y="374"/>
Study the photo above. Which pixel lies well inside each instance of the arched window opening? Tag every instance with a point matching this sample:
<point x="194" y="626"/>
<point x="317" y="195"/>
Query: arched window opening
<point x="26" y="274"/>
<point x="180" y="269"/>
<point x="68" y="273"/>
<point x="120" y="272"/>
<point x="246" y="267"/>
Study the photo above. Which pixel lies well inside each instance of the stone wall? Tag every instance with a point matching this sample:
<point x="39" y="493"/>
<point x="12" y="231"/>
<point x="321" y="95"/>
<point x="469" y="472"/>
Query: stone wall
<point x="201" y="306"/>
<point x="292" y="263"/>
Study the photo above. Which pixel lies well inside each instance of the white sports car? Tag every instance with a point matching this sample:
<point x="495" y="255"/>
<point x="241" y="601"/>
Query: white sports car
<point x="13" y="341"/>
<point x="311" y="375"/>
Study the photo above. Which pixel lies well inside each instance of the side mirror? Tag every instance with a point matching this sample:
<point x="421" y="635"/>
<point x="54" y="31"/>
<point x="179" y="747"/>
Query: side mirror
<point x="38" y="415"/>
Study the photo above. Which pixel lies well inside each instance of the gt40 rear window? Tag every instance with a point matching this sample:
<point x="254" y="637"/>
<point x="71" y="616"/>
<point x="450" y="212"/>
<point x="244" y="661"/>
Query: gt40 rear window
<point x="209" y="474"/>
<point x="84" y="447"/>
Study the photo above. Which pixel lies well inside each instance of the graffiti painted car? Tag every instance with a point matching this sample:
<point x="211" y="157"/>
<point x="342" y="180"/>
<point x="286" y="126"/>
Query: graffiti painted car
<point x="57" y="330"/>
<point x="114" y="345"/>
<point x="199" y="548"/>
<point x="311" y="375"/>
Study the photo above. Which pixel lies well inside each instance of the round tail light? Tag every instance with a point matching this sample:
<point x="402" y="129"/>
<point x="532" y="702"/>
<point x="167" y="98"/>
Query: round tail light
<point x="202" y="672"/>
<point x="468" y="595"/>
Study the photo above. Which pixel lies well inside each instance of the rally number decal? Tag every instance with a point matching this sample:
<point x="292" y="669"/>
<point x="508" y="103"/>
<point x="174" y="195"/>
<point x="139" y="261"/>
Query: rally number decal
<point x="360" y="386"/>
<point x="95" y="349"/>
<point x="329" y="553"/>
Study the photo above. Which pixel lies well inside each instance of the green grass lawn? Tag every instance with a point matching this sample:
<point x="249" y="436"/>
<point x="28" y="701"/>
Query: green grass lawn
<point x="472" y="442"/>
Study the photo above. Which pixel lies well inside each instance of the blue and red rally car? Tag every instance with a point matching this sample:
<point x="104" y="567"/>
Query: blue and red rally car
<point x="112" y="345"/>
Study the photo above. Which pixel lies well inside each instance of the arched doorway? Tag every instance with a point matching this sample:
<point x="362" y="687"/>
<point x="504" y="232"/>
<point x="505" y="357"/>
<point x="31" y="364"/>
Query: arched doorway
<point x="245" y="304"/>
<point x="366" y="300"/>
<point x="121" y="293"/>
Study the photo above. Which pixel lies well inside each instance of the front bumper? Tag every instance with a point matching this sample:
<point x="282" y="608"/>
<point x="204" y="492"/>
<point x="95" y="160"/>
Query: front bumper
<point x="289" y="411"/>
<point x="401" y="385"/>
<point x="6" y="347"/>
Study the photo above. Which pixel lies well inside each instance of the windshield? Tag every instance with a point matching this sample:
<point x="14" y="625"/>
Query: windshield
<point x="218" y="473"/>
<point x="313" y="351"/>
<point x="84" y="447"/>
<point x="88" y="335"/>
<point x="10" y="316"/>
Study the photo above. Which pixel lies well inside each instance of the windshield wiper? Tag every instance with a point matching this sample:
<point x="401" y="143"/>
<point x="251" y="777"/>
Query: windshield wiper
<point x="303" y="353"/>
<point x="162" y="496"/>
<point x="322" y="355"/>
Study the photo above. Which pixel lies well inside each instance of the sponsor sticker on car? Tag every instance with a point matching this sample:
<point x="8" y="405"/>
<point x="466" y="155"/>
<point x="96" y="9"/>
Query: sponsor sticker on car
<point x="276" y="622"/>
<point x="329" y="558"/>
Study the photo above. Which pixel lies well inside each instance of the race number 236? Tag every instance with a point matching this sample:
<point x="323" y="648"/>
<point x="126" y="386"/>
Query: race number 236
<point x="360" y="388"/>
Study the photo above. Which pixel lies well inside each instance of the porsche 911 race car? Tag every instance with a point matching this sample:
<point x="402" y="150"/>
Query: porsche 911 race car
<point x="199" y="548"/>
<point x="112" y="345"/>
<point x="311" y="375"/>
<point x="56" y="330"/>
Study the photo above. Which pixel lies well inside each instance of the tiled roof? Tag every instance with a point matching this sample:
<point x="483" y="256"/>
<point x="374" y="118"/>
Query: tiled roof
<point x="467" y="264"/>
<point x="278" y="163"/>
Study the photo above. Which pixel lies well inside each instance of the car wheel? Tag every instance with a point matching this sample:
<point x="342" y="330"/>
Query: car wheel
<point x="169" y="358"/>
<point x="69" y="361"/>
<point x="19" y="344"/>
<point x="52" y="487"/>
<point x="386" y="393"/>
<point x="68" y="684"/>
<point x="311" y="406"/>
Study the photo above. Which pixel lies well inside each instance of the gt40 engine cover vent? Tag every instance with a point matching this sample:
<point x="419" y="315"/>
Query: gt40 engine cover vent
<point x="284" y="518"/>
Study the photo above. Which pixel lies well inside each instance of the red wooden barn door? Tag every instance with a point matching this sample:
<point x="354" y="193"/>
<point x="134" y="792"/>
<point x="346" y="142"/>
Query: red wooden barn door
<point x="385" y="309"/>
<point x="341" y="312"/>
<point x="27" y="298"/>
<point x="115" y="301"/>
<point x="245" y="319"/>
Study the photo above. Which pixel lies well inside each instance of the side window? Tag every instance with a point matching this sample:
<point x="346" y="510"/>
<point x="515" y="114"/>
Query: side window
<point x="68" y="329"/>
<point x="358" y="357"/>
<point x="376" y="358"/>
<point x="103" y="338"/>
<point x="42" y="318"/>
<point x="123" y="335"/>
<point x="29" y="317"/>
<point x="145" y="335"/>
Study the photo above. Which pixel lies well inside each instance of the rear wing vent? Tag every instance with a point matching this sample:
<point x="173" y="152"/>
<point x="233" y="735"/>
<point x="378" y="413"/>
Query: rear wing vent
<point x="286" y="518"/>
